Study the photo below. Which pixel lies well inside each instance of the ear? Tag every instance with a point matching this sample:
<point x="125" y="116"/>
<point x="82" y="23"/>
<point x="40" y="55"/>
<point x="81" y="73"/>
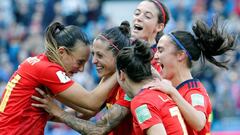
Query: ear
<point x="160" y="27"/>
<point x="122" y="75"/>
<point x="181" y="55"/>
<point x="61" y="51"/>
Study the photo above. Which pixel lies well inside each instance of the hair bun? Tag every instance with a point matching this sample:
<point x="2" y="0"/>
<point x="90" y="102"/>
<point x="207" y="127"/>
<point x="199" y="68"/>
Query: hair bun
<point x="142" y="50"/>
<point x="125" y="28"/>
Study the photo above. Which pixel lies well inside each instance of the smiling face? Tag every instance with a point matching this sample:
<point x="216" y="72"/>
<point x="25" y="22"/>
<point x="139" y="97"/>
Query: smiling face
<point x="166" y="56"/>
<point x="75" y="60"/>
<point x="145" y="21"/>
<point x="103" y="58"/>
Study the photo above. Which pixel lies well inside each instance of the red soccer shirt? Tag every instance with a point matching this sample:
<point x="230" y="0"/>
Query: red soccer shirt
<point x="151" y="107"/>
<point x="17" y="116"/>
<point x="194" y="93"/>
<point x="117" y="96"/>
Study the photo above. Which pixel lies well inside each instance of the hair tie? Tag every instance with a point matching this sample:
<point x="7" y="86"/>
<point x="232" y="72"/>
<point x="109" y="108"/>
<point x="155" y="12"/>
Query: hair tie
<point x="110" y="42"/>
<point x="61" y="27"/>
<point x="161" y="8"/>
<point x="180" y="45"/>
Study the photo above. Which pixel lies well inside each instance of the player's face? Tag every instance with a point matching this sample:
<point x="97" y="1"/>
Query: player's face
<point x="145" y="21"/>
<point x="166" y="57"/>
<point x="103" y="58"/>
<point x="75" y="60"/>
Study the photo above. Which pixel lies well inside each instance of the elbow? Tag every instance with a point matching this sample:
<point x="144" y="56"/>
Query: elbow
<point x="200" y="125"/>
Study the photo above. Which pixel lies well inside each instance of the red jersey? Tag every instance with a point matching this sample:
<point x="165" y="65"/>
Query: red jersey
<point x="194" y="93"/>
<point x="151" y="107"/>
<point x="17" y="115"/>
<point x="118" y="96"/>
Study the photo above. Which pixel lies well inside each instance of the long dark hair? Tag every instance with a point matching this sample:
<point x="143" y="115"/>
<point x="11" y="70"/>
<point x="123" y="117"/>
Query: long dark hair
<point x="206" y="42"/>
<point x="135" y="61"/>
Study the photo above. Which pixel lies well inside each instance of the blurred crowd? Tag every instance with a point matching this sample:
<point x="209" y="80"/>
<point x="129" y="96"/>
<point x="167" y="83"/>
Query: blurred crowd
<point x="23" y="22"/>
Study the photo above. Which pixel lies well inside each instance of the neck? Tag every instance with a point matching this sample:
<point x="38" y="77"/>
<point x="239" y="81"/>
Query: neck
<point x="181" y="76"/>
<point x="135" y="88"/>
<point x="151" y="41"/>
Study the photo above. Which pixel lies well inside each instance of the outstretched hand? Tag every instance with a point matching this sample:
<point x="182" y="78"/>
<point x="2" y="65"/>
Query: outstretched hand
<point x="163" y="85"/>
<point x="47" y="103"/>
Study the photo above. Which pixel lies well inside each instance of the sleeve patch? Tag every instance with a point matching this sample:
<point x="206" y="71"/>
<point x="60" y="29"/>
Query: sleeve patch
<point x="142" y="113"/>
<point x="62" y="77"/>
<point x="197" y="99"/>
<point x="127" y="98"/>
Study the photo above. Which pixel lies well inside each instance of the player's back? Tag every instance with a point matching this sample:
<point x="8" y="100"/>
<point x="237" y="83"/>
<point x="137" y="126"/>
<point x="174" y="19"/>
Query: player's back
<point x="151" y="107"/>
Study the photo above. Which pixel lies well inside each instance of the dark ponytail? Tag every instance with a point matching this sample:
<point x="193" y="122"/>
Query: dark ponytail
<point x="213" y="41"/>
<point x="135" y="61"/>
<point x="208" y="42"/>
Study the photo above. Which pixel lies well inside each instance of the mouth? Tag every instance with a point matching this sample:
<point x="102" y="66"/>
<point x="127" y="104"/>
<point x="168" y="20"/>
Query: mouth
<point x="162" y="66"/>
<point x="137" y="27"/>
<point x="99" y="69"/>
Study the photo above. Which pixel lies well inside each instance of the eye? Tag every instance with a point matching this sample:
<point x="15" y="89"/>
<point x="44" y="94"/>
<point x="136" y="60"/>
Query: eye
<point x="137" y="12"/>
<point x="81" y="62"/>
<point x="99" y="55"/>
<point x="148" y="15"/>
<point x="160" y="49"/>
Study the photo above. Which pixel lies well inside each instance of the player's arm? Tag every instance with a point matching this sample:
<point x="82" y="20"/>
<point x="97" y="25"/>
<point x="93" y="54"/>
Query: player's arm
<point x="194" y="118"/>
<point x="105" y="124"/>
<point x="81" y="112"/>
<point x="157" y="129"/>
<point x="79" y="96"/>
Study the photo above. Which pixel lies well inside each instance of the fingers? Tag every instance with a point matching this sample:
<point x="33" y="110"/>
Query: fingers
<point x="38" y="105"/>
<point x="38" y="99"/>
<point x="41" y="92"/>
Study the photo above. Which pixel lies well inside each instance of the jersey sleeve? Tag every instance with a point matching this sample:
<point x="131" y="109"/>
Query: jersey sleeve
<point x="55" y="79"/>
<point x="123" y="99"/>
<point x="198" y="100"/>
<point x="145" y="114"/>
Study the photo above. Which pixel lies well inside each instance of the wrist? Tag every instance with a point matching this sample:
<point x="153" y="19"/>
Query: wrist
<point x="58" y="114"/>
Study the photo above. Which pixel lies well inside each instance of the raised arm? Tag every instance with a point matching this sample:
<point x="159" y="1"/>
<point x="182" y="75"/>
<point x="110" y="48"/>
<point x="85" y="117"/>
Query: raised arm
<point x="79" y="96"/>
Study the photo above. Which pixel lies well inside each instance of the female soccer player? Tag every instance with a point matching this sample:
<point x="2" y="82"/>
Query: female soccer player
<point x="154" y="113"/>
<point x="67" y="51"/>
<point x="176" y="52"/>
<point x="149" y="19"/>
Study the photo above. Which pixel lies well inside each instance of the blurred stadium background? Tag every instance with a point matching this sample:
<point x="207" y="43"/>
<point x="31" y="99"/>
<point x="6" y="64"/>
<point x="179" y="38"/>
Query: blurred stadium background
<point x="22" y="25"/>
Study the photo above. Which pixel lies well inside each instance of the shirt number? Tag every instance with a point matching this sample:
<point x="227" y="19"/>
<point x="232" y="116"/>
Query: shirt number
<point x="10" y="85"/>
<point x="174" y="111"/>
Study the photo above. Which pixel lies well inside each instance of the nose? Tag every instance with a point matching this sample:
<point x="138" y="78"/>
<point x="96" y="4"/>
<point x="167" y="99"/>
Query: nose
<point x="94" y="60"/>
<point x="81" y="68"/>
<point x="138" y="17"/>
<point x="156" y="56"/>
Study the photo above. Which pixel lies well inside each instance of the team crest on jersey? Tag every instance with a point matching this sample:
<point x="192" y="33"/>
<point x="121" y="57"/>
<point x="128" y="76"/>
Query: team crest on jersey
<point x="143" y="113"/>
<point x="127" y="98"/>
<point x="62" y="77"/>
<point x="197" y="99"/>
